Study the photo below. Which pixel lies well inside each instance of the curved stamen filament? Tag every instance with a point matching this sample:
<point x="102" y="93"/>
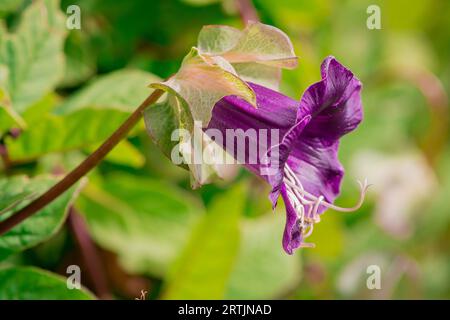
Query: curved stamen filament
<point x="300" y="198"/>
<point x="296" y="185"/>
<point x="315" y="214"/>
<point x="292" y="177"/>
<point x="307" y="245"/>
<point x="310" y="230"/>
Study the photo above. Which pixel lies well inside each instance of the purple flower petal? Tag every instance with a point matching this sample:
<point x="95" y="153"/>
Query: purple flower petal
<point x="336" y="109"/>
<point x="309" y="131"/>
<point x="292" y="235"/>
<point x="334" y="103"/>
<point x="275" y="111"/>
<point x="284" y="149"/>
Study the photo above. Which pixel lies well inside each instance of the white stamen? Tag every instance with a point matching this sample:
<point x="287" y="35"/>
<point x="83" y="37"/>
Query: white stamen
<point x="315" y="214"/>
<point x="310" y="230"/>
<point x="301" y="199"/>
<point x="307" y="245"/>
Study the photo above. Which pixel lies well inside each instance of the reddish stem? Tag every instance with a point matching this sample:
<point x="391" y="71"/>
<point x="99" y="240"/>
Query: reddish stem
<point x="247" y="11"/>
<point x="89" y="254"/>
<point x="83" y="168"/>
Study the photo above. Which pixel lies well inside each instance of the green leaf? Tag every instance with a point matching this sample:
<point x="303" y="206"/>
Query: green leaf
<point x="11" y="201"/>
<point x="54" y="133"/>
<point x="8" y="6"/>
<point x="263" y="270"/>
<point x="146" y="222"/>
<point x="203" y="269"/>
<point x="125" y="154"/>
<point x="39" y="227"/>
<point x="80" y="59"/>
<point x="122" y="90"/>
<point x="85" y="119"/>
<point x="201" y="2"/>
<point x="28" y="283"/>
<point x="34" y="53"/>
<point x="8" y="117"/>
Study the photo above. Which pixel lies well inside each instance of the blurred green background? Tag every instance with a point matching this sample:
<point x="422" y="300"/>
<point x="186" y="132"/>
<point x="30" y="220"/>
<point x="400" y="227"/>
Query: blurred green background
<point x="69" y="89"/>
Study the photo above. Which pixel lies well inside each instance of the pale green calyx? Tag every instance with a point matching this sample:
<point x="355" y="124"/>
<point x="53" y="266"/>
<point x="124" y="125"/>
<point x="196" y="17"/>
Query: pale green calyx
<point x="221" y="64"/>
<point x="224" y="60"/>
<point x="257" y="53"/>
<point x="202" y="81"/>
